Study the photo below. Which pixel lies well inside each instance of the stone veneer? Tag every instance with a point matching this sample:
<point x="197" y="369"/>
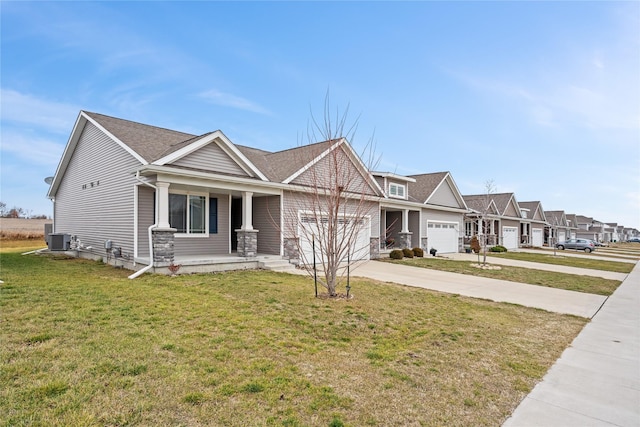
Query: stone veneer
<point x="374" y="248"/>
<point x="163" y="246"/>
<point x="424" y="244"/>
<point x="247" y="243"/>
<point x="405" y="240"/>
<point x="291" y="249"/>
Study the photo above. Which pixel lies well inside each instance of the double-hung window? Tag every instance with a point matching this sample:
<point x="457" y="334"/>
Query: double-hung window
<point x="188" y="213"/>
<point x="397" y="190"/>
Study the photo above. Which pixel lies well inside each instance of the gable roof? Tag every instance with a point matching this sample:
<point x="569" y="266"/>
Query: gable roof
<point x="556" y="217"/>
<point x="534" y="207"/>
<point x="425" y="186"/>
<point x="150" y="142"/>
<point x="480" y="202"/>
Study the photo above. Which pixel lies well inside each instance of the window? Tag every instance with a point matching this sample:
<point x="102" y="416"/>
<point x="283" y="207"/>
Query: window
<point x="468" y="229"/>
<point x="188" y="213"/>
<point x="397" y="190"/>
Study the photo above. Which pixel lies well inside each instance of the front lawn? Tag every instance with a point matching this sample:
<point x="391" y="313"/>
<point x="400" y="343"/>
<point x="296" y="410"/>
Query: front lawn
<point x="84" y="345"/>
<point x="559" y="259"/>
<point x="571" y="282"/>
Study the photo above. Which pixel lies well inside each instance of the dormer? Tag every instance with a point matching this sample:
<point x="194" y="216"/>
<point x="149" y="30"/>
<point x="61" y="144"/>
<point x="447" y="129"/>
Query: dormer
<point x="395" y="186"/>
<point x="524" y="213"/>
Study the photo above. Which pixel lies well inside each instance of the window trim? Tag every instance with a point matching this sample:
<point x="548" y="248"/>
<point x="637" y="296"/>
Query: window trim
<point x="188" y="234"/>
<point x="394" y="187"/>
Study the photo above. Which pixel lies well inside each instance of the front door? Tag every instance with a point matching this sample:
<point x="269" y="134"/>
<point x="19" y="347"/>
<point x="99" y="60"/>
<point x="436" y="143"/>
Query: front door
<point x="236" y="221"/>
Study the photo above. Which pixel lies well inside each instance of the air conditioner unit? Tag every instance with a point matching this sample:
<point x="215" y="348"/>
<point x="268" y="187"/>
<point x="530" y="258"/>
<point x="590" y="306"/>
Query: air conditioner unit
<point x="59" y="241"/>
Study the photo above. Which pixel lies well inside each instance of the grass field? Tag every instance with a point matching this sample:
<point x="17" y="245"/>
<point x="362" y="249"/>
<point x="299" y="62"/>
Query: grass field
<point x="84" y="345"/>
<point x="559" y="259"/>
<point x="571" y="282"/>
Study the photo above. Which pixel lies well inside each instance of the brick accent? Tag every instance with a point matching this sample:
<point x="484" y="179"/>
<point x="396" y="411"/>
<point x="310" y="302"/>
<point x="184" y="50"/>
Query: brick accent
<point x="291" y="249"/>
<point x="374" y="248"/>
<point x="405" y="240"/>
<point x="163" y="246"/>
<point x="247" y="243"/>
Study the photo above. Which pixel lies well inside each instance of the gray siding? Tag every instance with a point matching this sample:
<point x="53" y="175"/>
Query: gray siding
<point x="211" y="158"/>
<point x="293" y="202"/>
<point x="266" y="219"/>
<point x="103" y="211"/>
<point x="215" y="244"/>
<point x="322" y="174"/>
<point x="444" y="196"/>
<point x="511" y="210"/>
<point x="146" y="201"/>
<point x="414" y="227"/>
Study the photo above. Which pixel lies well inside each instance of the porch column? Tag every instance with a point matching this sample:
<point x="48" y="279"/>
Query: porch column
<point x="163" y="204"/>
<point x="405" y="234"/>
<point x="247" y="236"/>
<point x="247" y="211"/>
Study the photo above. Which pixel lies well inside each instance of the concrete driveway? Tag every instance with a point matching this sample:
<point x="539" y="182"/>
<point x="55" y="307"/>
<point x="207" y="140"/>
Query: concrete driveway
<point x="550" y="299"/>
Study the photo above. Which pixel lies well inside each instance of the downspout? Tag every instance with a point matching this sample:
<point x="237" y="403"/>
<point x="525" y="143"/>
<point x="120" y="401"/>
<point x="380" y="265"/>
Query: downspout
<point x="151" y="227"/>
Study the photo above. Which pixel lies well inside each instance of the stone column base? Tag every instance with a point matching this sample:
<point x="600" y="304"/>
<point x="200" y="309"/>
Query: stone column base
<point x="374" y="248"/>
<point x="247" y="243"/>
<point x="405" y="240"/>
<point x="163" y="246"/>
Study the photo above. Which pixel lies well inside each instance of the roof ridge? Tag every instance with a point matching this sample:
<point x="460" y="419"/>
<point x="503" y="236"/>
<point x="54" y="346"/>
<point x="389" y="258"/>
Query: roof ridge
<point x="138" y="123"/>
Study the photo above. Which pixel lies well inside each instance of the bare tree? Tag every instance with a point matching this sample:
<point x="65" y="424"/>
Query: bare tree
<point x="482" y="207"/>
<point x="331" y="201"/>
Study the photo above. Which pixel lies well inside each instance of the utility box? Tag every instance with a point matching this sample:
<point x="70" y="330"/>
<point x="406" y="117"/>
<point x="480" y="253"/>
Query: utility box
<point x="59" y="241"/>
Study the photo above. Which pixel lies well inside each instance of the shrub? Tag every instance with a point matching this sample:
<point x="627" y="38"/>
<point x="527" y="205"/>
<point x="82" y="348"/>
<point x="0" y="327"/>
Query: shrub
<point x="475" y="244"/>
<point x="396" y="254"/>
<point x="408" y="253"/>
<point x="498" y="248"/>
<point x="418" y="252"/>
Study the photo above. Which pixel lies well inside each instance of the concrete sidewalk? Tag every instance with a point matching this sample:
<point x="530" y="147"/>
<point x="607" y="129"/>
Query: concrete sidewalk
<point x="555" y="300"/>
<point x="596" y="381"/>
<point x="541" y="266"/>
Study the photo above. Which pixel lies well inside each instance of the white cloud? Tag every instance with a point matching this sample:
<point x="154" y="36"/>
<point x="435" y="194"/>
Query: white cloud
<point x="229" y="100"/>
<point x="22" y="108"/>
<point x="33" y="150"/>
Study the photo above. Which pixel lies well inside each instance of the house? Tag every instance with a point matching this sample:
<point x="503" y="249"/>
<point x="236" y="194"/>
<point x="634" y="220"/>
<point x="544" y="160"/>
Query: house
<point x="150" y="197"/>
<point x="532" y="223"/>
<point x="423" y="211"/>
<point x="559" y="228"/>
<point x="502" y="219"/>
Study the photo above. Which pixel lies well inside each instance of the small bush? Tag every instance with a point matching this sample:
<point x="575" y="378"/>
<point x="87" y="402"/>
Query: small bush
<point x="396" y="254"/>
<point x="408" y="253"/>
<point x="418" y="252"/>
<point x="475" y="244"/>
<point x="498" y="248"/>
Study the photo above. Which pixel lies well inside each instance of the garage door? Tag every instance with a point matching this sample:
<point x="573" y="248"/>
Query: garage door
<point x="536" y="237"/>
<point x="309" y="227"/>
<point x="442" y="236"/>
<point x="510" y="237"/>
<point x="562" y="236"/>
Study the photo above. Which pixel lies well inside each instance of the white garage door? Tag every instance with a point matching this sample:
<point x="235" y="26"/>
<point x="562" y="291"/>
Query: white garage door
<point x="562" y="236"/>
<point x="510" y="237"/>
<point x="536" y="237"/>
<point x="442" y="236"/>
<point x="309" y="227"/>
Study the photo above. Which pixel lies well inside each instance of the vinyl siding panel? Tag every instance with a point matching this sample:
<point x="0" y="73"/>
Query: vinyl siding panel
<point x="146" y="201"/>
<point x="433" y="215"/>
<point x="211" y="158"/>
<point x="214" y="244"/>
<point x="511" y="211"/>
<point x="444" y="196"/>
<point x="266" y="219"/>
<point x="104" y="210"/>
<point x="321" y="174"/>
<point x="293" y="202"/>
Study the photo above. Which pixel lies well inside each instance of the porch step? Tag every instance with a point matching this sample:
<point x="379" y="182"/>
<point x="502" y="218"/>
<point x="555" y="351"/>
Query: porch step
<point x="277" y="264"/>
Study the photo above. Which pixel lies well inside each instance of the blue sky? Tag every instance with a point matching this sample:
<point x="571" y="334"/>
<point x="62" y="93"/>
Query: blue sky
<point x="543" y="98"/>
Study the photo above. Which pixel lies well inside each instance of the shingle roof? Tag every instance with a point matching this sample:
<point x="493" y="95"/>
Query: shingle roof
<point x="425" y="185"/>
<point x="555" y="217"/>
<point x="150" y="142"/>
<point x="501" y="200"/>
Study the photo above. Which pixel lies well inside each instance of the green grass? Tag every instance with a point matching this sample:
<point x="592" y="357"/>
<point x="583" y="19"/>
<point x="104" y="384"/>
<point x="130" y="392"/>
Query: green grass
<point x="571" y="282"/>
<point x="560" y="259"/>
<point x="84" y="345"/>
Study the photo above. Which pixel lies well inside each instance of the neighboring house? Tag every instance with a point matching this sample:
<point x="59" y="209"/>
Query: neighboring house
<point x="423" y="211"/>
<point x="533" y="221"/>
<point x="153" y="196"/>
<point x="559" y="229"/>
<point x="502" y="223"/>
